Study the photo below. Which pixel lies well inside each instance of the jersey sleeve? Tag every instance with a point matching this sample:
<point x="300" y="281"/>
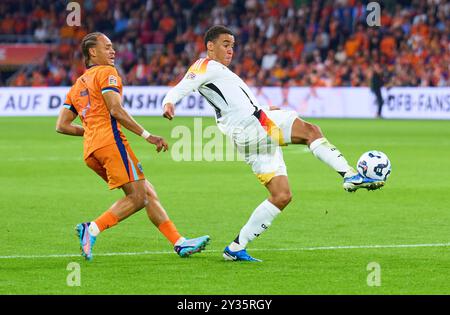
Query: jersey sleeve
<point x="198" y="74"/>
<point x="68" y="103"/>
<point x="109" y="80"/>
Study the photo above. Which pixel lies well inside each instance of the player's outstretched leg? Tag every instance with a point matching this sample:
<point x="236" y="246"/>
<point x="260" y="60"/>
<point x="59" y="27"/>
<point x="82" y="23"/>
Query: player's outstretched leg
<point x="353" y="181"/>
<point x="187" y="247"/>
<point x="303" y="132"/>
<point x="87" y="240"/>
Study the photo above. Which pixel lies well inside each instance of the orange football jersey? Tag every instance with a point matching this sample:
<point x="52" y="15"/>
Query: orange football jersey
<point x="85" y="98"/>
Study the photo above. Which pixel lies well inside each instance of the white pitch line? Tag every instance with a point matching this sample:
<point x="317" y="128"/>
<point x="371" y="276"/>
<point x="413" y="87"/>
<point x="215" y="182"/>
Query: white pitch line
<point x="217" y="251"/>
<point x="78" y="255"/>
<point x="359" y="247"/>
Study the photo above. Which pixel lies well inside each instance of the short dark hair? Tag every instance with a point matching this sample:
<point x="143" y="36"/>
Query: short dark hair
<point x="214" y="32"/>
<point x="89" y="41"/>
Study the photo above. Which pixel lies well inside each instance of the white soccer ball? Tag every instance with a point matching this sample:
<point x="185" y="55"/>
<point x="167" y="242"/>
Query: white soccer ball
<point x="375" y="165"/>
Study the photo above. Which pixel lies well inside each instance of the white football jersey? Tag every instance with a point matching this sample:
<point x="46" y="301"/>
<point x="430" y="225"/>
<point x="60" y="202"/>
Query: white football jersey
<point x="231" y="98"/>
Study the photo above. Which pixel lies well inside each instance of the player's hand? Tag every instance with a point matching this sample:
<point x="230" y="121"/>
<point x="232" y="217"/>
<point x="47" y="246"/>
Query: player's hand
<point x="159" y="142"/>
<point x="169" y="111"/>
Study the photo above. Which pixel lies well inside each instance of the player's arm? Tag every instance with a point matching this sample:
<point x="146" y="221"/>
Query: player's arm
<point x="193" y="79"/>
<point x="179" y="91"/>
<point x="114" y="103"/>
<point x="65" y="124"/>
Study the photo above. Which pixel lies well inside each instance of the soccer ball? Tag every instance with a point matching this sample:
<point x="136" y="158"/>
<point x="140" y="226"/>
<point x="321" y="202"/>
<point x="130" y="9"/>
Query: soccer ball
<point x="374" y="165"/>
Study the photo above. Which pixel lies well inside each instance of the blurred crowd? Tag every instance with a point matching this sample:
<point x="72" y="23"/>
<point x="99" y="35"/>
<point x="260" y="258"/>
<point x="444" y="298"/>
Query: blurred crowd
<point x="278" y="43"/>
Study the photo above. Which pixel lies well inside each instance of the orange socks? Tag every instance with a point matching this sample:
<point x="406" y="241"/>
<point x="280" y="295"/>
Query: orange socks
<point x="106" y="220"/>
<point x="169" y="230"/>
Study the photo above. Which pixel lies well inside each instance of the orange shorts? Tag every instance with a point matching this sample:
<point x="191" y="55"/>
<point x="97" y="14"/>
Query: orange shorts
<point x="116" y="164"/>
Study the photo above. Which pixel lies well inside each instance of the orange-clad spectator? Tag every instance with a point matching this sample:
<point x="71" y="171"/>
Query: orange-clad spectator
<point x="167" y="24"/>
<point x="398" y="20"/>
<point x="67" y="31"/>
<point x="361" y="36"/>
<point x="224" y="3"/>
<point x="296" y="48"/>
<point x="385" y="20"/>
<point x="360" y="59"/>
<point x="279" y="72"/>
<point x="74" y="74"/>
<point x="58" y="75"/>
<point x="38" y="13"/>
<point x="273" y="6"/>
<point x="285" y="3"/>
<point x="7" y="24"/>
<point x="355" y="79"/>
<point x="420" y="29"/>
<point x="79" y="33"/>
<point x="101" y="6"/>
<point x="387" y="45"/>
<point x="316" y="81"/>
<point x="20" y="80"/>
<point x="19" y="25"/>
<point x="351" y="46"/>
<point x="37" y="79"/>
<point x="164" y="60"/>
<point x="176" y="79"/>
<point x="65" y="49"/>
<point x="248" y="63"/>
<point x="139" y="72"/>
<point x="337" y="81"/>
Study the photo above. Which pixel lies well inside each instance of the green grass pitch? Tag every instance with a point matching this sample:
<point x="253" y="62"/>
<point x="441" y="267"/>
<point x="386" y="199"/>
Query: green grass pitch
<point x="322" y="243"/>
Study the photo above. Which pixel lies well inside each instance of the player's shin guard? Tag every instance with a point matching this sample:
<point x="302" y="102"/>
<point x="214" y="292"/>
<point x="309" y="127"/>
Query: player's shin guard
<point x="259" y="221"/>
<point x="330" y="155"/>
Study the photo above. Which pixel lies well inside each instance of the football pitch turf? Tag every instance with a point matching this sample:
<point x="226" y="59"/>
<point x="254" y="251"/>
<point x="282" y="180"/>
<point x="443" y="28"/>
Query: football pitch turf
<point x="327" y="241"/>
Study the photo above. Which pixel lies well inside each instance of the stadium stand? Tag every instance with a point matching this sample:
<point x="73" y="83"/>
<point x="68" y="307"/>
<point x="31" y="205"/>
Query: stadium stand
<point x="286" y="42"/>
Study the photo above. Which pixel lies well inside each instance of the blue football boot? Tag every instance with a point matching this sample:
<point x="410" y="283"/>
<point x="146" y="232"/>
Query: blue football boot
<point x="240" y="255"/>
<point x="87" y="241"/>
<point x="355" y="182"/>
<point x="192" y="246"/>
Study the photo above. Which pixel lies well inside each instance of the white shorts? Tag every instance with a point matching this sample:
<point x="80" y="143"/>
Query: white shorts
<point x="259" y="139"/>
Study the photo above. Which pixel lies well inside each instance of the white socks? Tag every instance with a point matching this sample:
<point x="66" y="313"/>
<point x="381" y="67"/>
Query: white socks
<point x="179" y="241"/>
<point x="259" y="221"/>
<point x="93" y="229"/>
<point x="329" y="154"/>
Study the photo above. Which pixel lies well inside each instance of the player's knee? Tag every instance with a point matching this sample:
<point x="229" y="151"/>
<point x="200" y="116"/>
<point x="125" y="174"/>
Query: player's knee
<point x="282" y="199"/>
<point x="286" y="198"/>
<point x="315" y="132"/>
<point x="145" y="201"/>
<point x="151" y="194"/>
<point x="139" y="200"/>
